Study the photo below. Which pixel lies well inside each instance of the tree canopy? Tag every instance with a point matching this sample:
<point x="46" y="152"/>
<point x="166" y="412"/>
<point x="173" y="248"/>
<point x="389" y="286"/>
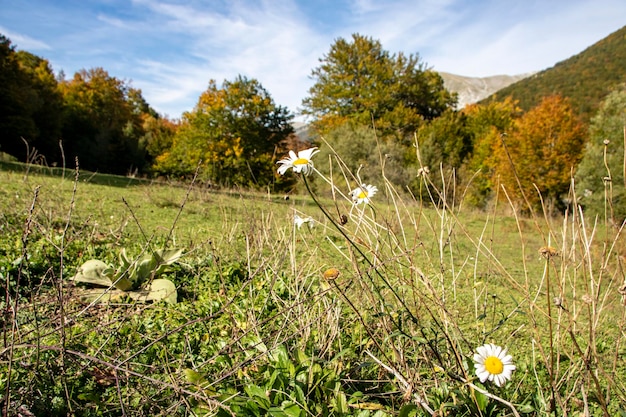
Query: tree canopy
<point x="233" y="132"/>
<point x="103" y="124"/>
<point x="361" y="82"/>
<point x="30" y="104"/>
<point x="600" y="175"/>
<point x="540" y="153"/>
<point x="373" y="107"/>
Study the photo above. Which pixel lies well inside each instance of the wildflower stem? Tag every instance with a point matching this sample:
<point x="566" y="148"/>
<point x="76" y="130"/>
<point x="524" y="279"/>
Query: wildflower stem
<point x="550" y="335"/>
<point x="367" y="260"/>
<point x="405" y="384"/>
<point x="495" y="397"/>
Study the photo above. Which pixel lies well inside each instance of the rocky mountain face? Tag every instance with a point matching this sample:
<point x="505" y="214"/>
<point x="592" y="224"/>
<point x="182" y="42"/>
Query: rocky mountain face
<point x="473" y="89"/>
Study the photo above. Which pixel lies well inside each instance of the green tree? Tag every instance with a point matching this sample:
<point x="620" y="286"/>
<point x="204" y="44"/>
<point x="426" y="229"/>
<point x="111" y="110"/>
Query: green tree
<point x="485" y="123"/>
<point x="234" y="131"/>
<point x="158" y="135"/>
<point x="600" y="181"/>
<point x="46" y="105"/>
<point x="359" y="81"/>
<point x="31" y="105"/>
<point x="443" y="143"/>
<point x="103" y="123"/>
<point x="358" y="156"/>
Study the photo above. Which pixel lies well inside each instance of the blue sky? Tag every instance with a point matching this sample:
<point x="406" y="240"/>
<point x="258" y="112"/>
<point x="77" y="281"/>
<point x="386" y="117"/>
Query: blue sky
<point x="170" y="49"/>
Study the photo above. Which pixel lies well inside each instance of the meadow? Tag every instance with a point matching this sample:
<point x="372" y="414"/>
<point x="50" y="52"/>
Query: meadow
<point x="373" y="309"/>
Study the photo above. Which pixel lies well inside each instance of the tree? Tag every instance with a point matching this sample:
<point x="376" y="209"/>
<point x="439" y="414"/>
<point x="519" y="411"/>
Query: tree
<point x="358" y="156"/>
<point x="361" y="82"/>
<point x="103" y="123"/>
<point x="485" y="123"/>
<point x="18" y="102"/>
<point x="443" y="144"/>
<point x="234" y="132"/>
<point x="46" y="105"/>
<point x="158" y="135"/>
<point x="544" y="147"/>
<point x="600" y="182"/>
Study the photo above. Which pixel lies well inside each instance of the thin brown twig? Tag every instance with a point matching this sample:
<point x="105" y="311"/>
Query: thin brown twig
<point x="12" y="312"/>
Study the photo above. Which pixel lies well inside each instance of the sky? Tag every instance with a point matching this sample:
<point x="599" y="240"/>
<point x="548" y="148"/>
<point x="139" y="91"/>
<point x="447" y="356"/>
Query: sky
<point x="171" y="49"/>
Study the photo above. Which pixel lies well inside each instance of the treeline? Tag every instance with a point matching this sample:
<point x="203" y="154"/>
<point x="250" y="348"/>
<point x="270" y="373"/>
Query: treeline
<point x="374" y="109"/>
<point x="94" y="117"/>
<point x="231" y="137"/>
<point x="375" y="115"/>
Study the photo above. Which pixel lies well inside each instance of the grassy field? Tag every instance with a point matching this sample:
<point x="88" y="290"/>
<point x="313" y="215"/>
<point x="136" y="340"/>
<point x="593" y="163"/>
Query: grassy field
<point x="376" y="310"/>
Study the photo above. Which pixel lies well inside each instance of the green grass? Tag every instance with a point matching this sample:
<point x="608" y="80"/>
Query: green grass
<point x="257" y="330"/>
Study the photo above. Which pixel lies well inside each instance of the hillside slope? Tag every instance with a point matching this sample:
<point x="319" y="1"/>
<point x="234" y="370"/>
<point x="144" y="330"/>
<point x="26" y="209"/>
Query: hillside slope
<point x="586" y="78"/>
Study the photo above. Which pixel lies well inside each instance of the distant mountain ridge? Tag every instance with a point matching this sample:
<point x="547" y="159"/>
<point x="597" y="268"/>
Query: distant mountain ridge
<point x="473" y="89"/>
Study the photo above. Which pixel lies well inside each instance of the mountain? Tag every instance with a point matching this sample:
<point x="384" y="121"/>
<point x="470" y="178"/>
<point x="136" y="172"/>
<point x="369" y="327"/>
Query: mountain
<point x="473" y="89"/>
<point x="585" y="78"/>
<point x="469" y="89"/>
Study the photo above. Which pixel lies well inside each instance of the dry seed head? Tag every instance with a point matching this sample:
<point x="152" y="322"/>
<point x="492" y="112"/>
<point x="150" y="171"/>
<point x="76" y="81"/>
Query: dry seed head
<point x="548" y="252"/>
<point x="331" y="273"/>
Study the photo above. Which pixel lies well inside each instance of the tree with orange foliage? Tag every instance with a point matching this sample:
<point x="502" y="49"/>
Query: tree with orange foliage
<point x="535" y="160"/>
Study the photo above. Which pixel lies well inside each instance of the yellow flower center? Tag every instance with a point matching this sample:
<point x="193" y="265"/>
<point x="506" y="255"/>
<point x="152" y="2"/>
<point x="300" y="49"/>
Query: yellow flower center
<point x="362" y="194"/>
<point x="494" y="365"/>
<point x="301" y="161"/>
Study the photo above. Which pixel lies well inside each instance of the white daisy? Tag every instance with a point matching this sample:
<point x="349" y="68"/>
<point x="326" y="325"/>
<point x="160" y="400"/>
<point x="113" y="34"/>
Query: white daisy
<point x="363" y="194"/>
<point x="299" y="221"/>
<point x="300" y="162"/>
<point x="493" y="363"/>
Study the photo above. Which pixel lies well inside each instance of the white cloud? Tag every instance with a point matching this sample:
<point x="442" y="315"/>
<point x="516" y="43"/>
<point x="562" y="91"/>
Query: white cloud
<point x="25" y="42"/>
<point x="171" y="49"/>
<point x="270" y="42"/>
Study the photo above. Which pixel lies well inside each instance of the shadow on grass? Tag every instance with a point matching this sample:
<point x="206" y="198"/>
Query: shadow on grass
<point x="84" y="176"/>
<point x="124" y="182"/>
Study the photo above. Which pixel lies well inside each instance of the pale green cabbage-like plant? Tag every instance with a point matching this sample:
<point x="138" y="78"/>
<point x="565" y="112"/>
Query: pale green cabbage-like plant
<point x="132" y="278"/>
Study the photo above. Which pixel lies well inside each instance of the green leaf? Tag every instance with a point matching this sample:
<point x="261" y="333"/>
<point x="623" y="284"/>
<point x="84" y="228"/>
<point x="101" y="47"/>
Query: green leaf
<point x="168" y="256"/>
<point x="194" y="377"/>
<point x="124" y="261"/>
<point x="123" y="283"/>
<point x="481" y="400"/>
<point x="143" y="269"/>
<point x="340" y="405"/>
<point x="148" y="266"/>
<point x="292" y="409"/>
<point x="160" y="289"/>
<point x="163" y="289"/>
<point x="94" y="272"/>
<point x="258" y="395"/>
<point x="407" y="410"/>
<point x="100" y="296"/>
